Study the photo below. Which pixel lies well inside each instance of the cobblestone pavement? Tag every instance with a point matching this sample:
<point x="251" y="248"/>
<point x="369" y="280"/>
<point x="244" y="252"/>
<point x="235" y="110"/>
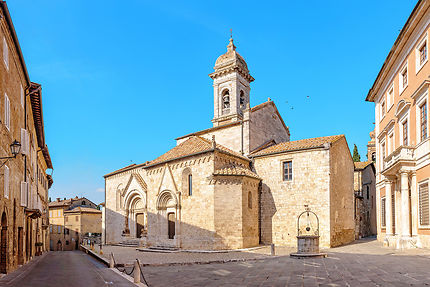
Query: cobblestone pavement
<point x="66" y="269"/>
<point x="365" y="263"/>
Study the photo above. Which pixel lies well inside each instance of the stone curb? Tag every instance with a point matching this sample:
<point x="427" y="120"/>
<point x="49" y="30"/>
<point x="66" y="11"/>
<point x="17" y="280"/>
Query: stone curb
<point x="208" y="262"/>
<point x="95" y="255"/>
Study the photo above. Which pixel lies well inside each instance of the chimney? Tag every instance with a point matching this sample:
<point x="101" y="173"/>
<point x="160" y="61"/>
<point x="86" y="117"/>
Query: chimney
<point x="58" y="199"/>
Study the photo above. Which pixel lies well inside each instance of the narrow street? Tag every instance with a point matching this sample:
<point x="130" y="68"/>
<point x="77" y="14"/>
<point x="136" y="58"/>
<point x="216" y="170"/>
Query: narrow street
<point x="65" y="268"/>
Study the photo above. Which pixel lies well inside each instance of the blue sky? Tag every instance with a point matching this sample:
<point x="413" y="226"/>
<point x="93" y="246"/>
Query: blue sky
<point x="122" y="79"/>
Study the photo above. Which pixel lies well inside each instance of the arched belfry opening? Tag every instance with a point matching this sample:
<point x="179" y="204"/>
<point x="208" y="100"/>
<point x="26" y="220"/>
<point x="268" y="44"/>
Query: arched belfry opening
<point x="168" y="217"/>
<point x="3" y="244"/>
<point x="225" y="102"/>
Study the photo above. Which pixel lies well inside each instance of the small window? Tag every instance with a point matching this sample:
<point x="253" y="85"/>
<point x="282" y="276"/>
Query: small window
<point x="405" y="133"/>
<point x="83" y="202"/>
<point x="390" y="97"/>
<point x="421" y="54"/>
<point x="50" y="228"/>
<point x="424" y="204"/>
<point x="67" y="242"/>
<point x="190" y="184"/>
<point x="383" y="212"/>
<point x="288" y="170"/>
<point x="249" y="200"/>
<point x="242" y="100"/>
<point x="403" y="78"/>
<point x="76" y="218"/>
<point x="66" y="231"/>
<point x="66" y="219"/>
<point x="5" y="54"/>
<point x="423" y="121"/>
<point x="383" y="109"/>
<point x="6" y="112"/>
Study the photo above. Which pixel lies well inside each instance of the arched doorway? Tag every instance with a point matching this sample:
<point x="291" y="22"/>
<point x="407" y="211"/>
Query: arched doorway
<point x="59" y="245"/>
<point x="168" y="218"/>
<point x="3" y="244"/>
<point x="136" y="213"/>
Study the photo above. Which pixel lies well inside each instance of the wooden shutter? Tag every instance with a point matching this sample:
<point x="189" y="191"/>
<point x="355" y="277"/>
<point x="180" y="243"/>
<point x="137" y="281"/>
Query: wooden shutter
<point x="424" y="204"/>
<point x="25" y="141"/>
<point x="6" y="111"/>
<point x="5" y="53"/>
<point x="24" y="193"/>
<point x="6" y="181"/>
<point x="22" y="96"/>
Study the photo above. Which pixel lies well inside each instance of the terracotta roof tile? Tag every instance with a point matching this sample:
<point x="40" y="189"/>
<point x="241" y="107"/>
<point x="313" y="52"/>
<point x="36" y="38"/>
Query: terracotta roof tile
<point x="236" y="170"/>
<point x="362" y="164"/>
<point x="297" y="145"/>
<point x="193" y="145"/>
<point x="83" y="209"/>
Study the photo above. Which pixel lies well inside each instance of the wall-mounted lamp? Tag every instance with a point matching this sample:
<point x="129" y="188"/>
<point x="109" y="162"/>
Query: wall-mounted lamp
<point x="15" y="148"/>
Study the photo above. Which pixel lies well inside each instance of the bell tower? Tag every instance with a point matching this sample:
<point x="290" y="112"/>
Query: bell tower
<point x="231" y="82"/>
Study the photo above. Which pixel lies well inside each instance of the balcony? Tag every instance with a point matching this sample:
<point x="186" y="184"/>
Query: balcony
<point x="403" y="156"/>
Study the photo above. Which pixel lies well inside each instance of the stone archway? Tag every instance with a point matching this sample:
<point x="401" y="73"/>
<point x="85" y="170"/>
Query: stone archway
<point x="3" y="244"/>
<point x="168" y="219"/>
<point x="135" y="207"/>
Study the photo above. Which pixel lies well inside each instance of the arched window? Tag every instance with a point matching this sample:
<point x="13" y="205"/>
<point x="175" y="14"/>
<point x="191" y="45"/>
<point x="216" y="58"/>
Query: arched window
<point x="242" y="100"/>
<point x="225" y="102"/>
<point x="119" y="197"/>
<point x="249" y="200"/>
<point x="187" y="182"/>
<point x="83" y="202"/>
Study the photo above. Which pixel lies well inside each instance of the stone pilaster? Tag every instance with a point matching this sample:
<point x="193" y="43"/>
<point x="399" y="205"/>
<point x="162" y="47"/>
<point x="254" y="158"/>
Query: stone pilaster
<point x="404" y="190"/>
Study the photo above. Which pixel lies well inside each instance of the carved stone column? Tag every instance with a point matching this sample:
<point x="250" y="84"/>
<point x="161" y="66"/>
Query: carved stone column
<point x="404" y="189"/>
<point x="126" y="229"/>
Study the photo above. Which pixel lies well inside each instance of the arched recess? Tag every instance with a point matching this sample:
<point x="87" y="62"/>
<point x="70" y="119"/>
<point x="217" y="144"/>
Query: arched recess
<point x="119" y="198"/>
<point x="3" y="244"/>
<point x="168" y="218"/>
<point x="135" y="206"/>
<point x="187" y="182"/>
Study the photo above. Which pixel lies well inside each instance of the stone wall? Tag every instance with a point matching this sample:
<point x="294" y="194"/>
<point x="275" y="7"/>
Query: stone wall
<point x="266" y="125"/>
<point x="342" y="223"/>
<point x="283" y="201"/>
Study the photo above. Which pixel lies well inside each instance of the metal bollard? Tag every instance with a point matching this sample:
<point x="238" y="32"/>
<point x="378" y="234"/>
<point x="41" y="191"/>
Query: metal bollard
<point x="101" y="249"/>
<point x="272" y="249"/>
<point x="111" y="261"/>
<point x="136" y="272"/>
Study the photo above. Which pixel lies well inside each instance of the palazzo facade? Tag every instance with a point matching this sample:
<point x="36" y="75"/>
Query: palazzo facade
<point x="400" y="93"/>
<point x="237" y="184"/>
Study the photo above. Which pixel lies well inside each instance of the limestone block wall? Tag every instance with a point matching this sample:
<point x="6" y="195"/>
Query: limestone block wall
<point x="194" y="219"/>
<point x="266" y="125"/>
<point x="250" y="210"/>
<point x="283" y="201"/>
<point x="230" y="137"/>
<point x="342" y="222"/>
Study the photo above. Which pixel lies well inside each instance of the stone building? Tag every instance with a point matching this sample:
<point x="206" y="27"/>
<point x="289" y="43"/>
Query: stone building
<point x="365" y="199"/>
<point x="63" y="233"/>
<point x="400" y="93"/>
<point x="236" y="184"/>
<point x="79" y="223"/>
<point x="23" y="178"/>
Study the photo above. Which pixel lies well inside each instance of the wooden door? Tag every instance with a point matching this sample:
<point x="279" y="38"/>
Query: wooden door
<point x="171" y="222"/>
<point x="3" y="250"/>
<point x="139" y="224"/>
<point x="20" y="245"/>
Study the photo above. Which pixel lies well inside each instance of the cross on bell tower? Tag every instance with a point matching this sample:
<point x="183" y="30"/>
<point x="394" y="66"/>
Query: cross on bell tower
<point x="231" y="82"/>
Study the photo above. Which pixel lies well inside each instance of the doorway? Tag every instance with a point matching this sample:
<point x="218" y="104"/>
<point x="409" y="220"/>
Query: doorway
<point x="140" y="222"/>
<point x="171" y="224"/>
<point x="20" y="245"/>
<point x="59" y="245"/>
<point x="3" y="244"/>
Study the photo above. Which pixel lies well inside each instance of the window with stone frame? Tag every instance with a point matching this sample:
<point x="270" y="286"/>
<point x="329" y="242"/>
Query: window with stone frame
<point x="423" y="121"/>
<point x="423" y="53"/>
<point x="405" y="133"/>
<point x="187" y="182"/>
<point x="383" y="109"/>
<point x="403" y="78"/>
<point x="287" y="167"/>
<point x="383" y="217"/>
<point x="423" y="202"/>
<point x="190" y="184"/>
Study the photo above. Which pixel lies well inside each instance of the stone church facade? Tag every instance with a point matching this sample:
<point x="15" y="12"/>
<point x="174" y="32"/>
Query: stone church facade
<point x="235" y="185"/>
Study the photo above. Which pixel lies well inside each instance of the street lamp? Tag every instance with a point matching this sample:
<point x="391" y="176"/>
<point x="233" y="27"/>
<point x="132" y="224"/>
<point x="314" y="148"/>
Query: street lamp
<point x="15" y="148"/>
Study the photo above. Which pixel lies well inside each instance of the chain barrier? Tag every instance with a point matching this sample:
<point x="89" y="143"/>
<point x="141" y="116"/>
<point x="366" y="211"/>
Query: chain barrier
<point x="141" y="273"/>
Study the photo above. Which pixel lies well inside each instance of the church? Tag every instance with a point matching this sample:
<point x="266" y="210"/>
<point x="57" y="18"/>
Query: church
<point x="238" y="184"/>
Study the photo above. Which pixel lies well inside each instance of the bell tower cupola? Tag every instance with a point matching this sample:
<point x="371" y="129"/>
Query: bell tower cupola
<point x="231" y="82"/>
